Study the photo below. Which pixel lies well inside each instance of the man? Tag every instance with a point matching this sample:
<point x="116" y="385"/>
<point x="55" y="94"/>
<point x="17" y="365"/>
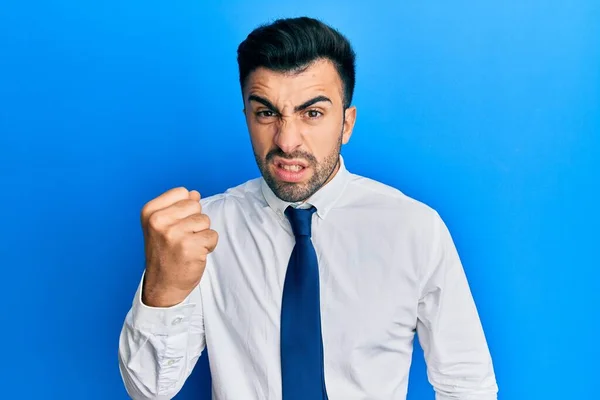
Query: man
<point x="320" y="278"/>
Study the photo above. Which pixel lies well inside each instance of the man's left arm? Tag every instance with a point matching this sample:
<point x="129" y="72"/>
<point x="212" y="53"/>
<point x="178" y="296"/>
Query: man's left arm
<point x="459" y="364"/>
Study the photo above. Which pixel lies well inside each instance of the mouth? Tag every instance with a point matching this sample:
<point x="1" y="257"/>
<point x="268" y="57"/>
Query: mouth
<point x="290" y="170"/>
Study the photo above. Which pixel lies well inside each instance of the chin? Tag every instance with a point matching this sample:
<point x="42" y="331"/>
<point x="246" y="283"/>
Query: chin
<point x="290" y="188"/>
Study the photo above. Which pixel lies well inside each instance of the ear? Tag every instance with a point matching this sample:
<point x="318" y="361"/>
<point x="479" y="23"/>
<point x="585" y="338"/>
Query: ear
<point x="245" y="117"/>
<point x="349" y="120"/>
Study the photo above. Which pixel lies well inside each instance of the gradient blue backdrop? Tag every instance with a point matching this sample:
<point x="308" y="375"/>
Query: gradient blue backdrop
<point x="488" y="112"/>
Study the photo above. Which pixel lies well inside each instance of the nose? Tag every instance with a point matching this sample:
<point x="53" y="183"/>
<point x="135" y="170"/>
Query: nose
<point x="289" y="136"/>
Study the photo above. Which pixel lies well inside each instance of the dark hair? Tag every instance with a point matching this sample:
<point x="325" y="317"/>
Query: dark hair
<point x="292" y="44"/>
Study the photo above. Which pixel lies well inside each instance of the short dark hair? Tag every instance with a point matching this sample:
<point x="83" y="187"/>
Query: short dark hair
<point x="292" y="44"/>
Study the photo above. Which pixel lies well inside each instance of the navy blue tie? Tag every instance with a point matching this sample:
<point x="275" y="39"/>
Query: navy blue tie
<point x="301" y="341"/>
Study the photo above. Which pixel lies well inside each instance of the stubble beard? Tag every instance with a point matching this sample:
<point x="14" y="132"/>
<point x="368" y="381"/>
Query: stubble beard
<point x="296" y="192"/>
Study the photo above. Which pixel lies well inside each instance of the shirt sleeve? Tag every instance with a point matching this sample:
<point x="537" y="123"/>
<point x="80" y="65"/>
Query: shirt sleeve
<point x="159" y="347"/>
<point x="459" y="364"/>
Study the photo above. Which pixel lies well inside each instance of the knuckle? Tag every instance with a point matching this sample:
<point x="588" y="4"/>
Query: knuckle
<point x="183" y="193"/>
<point x="202" y="223"/>
<point x="188" y="248"/>
<point x="197" y="206"/>
<point x="171" y="233"/>
<point x="204" y="220"/>
<point x="156" y="221"/>
<point x="180" y="191"/>
<point x="193" y="206"/>
<point x="145" y="212"/>
<point x="178" y="194"/>
<point x="214" y="236"/>
<point x="211" y="240"/>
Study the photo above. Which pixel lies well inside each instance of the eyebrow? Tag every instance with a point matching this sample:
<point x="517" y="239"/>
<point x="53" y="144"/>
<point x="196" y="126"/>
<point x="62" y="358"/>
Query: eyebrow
<point x="310" y="102"/>
<point x="301" y="107"/>
<point x="264" y="102"/>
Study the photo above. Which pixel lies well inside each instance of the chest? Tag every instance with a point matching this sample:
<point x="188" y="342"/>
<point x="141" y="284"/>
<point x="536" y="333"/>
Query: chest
<point x="368" y="285"/>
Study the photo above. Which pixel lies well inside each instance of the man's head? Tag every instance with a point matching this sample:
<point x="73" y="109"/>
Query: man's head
<point x="297" y="78"/>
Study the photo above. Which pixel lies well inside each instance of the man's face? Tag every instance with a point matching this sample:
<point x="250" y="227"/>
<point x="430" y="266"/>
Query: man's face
<point x="297" y="125"/>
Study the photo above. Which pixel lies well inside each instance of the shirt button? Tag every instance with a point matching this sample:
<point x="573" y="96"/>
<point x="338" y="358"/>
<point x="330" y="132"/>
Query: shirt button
<point x="171" y="362"/>
<point x="176" y="321"/>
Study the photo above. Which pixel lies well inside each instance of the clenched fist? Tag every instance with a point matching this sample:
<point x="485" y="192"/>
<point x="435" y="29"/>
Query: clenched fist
<point x="177" y="239"/>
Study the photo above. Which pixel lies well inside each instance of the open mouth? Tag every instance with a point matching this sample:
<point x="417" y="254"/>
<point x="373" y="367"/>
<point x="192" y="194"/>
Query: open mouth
<point x="290" y="170"/>
<point x="292" y="167"/>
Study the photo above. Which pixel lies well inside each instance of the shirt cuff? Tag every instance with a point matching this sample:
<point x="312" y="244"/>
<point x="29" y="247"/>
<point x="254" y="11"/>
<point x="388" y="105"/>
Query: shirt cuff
<point x="161" y="320"/>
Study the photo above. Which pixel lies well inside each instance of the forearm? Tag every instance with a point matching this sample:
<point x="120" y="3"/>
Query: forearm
<point x="158" y="347"/>
<point x="459" y="363"/>
<point x="463" y="372"/>
<point x="458" y="359"/>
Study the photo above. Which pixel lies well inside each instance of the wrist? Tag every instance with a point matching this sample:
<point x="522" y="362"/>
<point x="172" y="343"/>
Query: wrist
<point x="158" y="296"/>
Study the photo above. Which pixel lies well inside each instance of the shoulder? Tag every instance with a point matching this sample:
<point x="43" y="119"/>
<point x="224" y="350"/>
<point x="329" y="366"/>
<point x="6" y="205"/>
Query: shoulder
<point x="390" y="210"/>
<point x="390" y="200"/>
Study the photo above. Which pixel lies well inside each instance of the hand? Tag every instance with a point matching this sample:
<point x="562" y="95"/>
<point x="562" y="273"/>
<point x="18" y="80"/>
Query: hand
<point x="177" y="241"/>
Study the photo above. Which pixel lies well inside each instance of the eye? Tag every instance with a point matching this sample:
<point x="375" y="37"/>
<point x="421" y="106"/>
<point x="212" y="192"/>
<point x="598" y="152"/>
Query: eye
<point x="313" y="114"/>
<point x="265" y="114"/>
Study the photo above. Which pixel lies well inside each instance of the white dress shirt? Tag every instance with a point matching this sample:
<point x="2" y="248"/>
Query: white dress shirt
<point x="388" y="268"/>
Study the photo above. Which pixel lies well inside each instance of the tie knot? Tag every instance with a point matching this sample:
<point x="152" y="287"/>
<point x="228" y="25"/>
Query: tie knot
<point x="300" y="219"/>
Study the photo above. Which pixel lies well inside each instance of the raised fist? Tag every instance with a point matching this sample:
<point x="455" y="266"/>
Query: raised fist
<point x="177" y="241"/>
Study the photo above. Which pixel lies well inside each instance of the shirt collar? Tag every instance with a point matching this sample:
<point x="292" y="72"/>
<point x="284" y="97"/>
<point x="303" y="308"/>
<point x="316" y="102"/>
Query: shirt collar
<point x="323" y="200"/>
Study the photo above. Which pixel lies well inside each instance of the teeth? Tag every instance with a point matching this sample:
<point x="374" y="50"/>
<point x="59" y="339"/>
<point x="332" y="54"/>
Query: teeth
<point x="294" y="168"/>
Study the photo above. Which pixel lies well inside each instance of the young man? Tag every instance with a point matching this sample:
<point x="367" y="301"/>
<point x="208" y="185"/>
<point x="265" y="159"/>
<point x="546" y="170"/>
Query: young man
<point x="320" y="278"/>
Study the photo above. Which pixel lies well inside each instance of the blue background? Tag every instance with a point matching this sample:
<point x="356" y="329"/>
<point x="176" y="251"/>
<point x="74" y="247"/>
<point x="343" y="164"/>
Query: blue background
<point x="487" y="111"/>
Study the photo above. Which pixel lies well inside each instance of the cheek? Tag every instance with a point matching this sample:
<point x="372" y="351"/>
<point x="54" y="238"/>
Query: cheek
<point x="322" y="140"/>
<point x="261" y="137"/>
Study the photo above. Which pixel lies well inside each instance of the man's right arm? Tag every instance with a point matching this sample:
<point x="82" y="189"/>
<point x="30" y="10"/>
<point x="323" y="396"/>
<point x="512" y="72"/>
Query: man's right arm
<point x="159" y="347"/>
<point x="163" y="333"/>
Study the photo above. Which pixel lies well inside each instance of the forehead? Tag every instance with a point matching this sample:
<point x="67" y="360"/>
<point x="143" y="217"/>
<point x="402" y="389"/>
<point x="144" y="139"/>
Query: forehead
<point x="319" y="77"/>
